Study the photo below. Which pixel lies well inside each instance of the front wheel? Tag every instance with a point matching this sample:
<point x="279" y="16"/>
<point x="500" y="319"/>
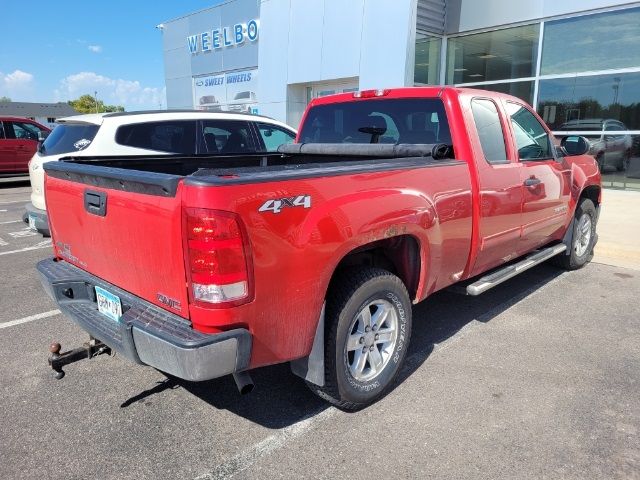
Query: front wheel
<point x="583" y="239"/>
<point x="368" y="325"/>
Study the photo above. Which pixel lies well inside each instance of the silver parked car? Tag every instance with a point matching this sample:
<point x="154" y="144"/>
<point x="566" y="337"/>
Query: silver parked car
<point x="609" y="145"/>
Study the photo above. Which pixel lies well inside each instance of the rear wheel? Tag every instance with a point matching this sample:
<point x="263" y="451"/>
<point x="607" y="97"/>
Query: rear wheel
<point x="584" y="236"/>
<point x="368" y="325"/>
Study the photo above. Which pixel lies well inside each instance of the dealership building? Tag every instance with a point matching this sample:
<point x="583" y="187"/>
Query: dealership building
<point x="576" y="61"/>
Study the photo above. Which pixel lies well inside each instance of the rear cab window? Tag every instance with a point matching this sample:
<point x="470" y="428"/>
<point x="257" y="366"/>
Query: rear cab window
<point x="68" y="138"/>
<point x="177" y="136"/>
<point x="388" y="120"/>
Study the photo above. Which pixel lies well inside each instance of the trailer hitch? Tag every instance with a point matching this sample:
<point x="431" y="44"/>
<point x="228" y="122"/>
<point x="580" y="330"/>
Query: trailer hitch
<point x="89" y="350"/>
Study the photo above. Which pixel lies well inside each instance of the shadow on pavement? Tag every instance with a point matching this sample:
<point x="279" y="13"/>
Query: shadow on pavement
<point x="445" y="313"/>
<point x="281" y="399"/>
<point x="14" y="182"/>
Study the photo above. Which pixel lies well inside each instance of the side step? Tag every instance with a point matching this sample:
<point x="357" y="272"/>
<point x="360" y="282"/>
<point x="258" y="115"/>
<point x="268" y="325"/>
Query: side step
<point x="496" y="278"/>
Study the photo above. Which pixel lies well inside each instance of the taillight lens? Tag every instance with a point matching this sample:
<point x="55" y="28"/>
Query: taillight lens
<point x="218" y="259"/>
<point x="371" y="93"/>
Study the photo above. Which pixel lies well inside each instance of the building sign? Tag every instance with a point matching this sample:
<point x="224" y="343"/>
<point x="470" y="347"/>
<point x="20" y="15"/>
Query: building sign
<point x="227" y="92"/>
<point x="223" y="37"/>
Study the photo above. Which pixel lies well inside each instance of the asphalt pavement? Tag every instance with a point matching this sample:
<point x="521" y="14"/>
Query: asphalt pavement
<point x="538" y="378"/>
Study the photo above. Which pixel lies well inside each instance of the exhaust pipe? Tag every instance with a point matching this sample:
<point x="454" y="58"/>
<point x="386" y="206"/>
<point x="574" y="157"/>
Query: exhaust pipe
<point x="243" y="382"/>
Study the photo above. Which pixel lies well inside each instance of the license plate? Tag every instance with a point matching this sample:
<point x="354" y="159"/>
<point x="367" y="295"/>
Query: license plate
<point x="32" y="222"/>
<point x="108" y="304"/>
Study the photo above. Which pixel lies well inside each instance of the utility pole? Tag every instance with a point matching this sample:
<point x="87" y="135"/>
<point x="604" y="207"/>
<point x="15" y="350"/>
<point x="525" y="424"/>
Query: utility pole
<point x="95" y="96"/>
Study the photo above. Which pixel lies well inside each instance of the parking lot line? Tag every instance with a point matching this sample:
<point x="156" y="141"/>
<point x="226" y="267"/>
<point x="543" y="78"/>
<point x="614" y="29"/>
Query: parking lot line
<point x="10" y="221"/>
<point x="30" y="318"/>
<point x="273" y="442"/>
<point x="27" y="249"/>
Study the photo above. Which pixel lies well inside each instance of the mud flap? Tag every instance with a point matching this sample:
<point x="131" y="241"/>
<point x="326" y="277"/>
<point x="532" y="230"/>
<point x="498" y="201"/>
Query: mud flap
<point x="568" y="236"/>
<point x="311" y="368"/>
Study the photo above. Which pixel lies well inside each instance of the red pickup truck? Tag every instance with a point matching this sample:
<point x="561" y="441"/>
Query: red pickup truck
<point x="206" y="266"/>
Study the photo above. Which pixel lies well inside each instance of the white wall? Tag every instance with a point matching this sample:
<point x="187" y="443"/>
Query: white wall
<point x="310" y="41"/>
<point x="463" y="15"/>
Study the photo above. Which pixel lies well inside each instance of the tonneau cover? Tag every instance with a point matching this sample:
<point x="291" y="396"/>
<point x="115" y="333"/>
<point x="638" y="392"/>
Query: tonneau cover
<point x="386" y="150"/>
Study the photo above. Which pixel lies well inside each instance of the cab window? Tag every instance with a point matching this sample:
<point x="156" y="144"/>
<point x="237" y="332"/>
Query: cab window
<point x="487" y="120"/>
<point x="385" y="120"/>
<point x="274" y="136"/>
<point x="532" y="140"/>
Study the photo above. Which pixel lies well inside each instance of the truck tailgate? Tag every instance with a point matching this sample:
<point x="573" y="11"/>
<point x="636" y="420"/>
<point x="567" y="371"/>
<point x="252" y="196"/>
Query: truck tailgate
<point x="121" y="226"/>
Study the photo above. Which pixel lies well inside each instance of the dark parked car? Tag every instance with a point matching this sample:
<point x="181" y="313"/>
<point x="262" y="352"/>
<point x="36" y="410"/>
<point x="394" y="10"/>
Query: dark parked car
<point x="19" y="139"/>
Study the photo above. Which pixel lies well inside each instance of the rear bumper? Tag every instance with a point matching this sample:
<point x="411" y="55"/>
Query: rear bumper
<point x="145" y="334"/>
<point x="40" y="218"/>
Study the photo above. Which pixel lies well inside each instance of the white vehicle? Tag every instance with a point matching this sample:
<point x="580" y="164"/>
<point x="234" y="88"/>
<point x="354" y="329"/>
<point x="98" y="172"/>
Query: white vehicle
<point x="242" y="102"/>
<point x="149" y="133"/>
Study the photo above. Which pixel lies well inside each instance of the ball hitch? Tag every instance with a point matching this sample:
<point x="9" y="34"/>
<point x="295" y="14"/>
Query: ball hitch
<point x="89" y="350"/>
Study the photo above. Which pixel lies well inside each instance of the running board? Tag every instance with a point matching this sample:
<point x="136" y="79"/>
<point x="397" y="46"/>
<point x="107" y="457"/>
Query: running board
<point x="496" y="278"/>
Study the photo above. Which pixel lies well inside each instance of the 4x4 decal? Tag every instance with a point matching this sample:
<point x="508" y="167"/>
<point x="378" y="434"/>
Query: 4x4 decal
<point x="277" y="205"/>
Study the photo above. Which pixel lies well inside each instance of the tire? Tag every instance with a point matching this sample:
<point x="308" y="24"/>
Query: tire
<point x="355" y="377"/>
<point x="626" y="161"/>
<point x="581" y="248"/>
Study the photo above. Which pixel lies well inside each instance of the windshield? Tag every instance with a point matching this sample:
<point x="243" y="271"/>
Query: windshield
<point x="242" y="95"/>
<point x="411" y="120"/>
<point x="68" y="138"/>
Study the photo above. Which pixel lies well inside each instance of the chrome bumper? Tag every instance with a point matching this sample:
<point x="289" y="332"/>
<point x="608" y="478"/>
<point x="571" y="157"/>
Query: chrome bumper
<point x="145" y="333"/>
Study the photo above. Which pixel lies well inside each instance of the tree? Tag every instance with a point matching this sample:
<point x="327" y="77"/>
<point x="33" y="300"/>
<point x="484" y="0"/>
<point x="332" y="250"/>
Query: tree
<point x="5" y="99"/>
<point x="87" y="104"/>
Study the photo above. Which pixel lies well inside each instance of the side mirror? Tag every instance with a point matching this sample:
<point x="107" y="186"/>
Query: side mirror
<point x="575" y="145"/>
<point x="42" y="136"/>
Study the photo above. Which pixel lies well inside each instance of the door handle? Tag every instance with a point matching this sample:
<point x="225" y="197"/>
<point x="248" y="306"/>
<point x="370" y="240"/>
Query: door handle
<point x="95" y="202"/>
<point x="532" y="182"/>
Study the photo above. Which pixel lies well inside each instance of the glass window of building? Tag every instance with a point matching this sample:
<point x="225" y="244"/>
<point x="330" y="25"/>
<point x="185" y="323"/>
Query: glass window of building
<point x="522" y="90"/>
<point x="496" y="55"/>
<point x="563" y="102"/>
<point x="427" y="63"/>
<point x="603" y="108"/>
<point x="592" y="42"/>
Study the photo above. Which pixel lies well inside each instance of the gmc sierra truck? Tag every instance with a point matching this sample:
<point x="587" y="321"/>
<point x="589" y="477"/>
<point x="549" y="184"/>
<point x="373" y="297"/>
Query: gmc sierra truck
<point x="206" y="266"/>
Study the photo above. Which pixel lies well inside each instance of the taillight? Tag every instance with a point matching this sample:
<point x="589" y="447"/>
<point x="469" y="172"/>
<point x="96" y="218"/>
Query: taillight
<point x="217" y="257"/>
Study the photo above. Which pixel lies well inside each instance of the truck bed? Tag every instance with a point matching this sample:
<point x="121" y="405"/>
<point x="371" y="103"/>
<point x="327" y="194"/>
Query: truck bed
<point x="162" y="173"/>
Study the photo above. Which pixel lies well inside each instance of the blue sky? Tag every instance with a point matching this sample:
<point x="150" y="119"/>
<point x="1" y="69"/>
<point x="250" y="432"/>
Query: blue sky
<point x="57" y="51"/>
